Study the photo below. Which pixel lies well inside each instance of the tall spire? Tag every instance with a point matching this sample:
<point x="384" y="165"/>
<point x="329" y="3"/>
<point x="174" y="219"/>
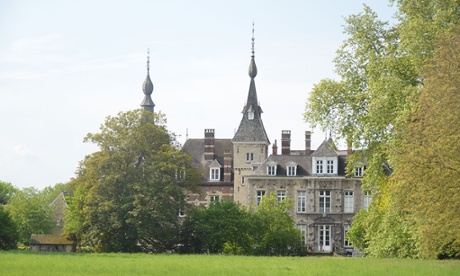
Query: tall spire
<point x="252" y="64"/>
<point x="251" y="128"/>
<point x="147" y="88"/>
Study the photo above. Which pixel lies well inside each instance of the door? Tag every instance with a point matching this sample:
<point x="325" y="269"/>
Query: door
<point x="325" y="238"/>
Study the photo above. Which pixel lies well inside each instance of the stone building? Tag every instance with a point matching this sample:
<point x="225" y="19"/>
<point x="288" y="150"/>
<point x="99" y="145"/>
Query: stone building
<point x="240" y="169"/>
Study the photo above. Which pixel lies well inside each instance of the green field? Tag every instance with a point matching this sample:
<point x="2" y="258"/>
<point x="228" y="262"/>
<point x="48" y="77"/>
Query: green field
<point x="27" y="263"/>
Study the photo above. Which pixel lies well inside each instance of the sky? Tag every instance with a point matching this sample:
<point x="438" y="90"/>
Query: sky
<point x="67" y="65"/>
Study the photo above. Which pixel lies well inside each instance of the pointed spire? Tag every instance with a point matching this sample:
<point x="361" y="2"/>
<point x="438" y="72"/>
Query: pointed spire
<point x="147" y="88"/>
<point x="252" y="64"/>
<point x="251" y="128"/>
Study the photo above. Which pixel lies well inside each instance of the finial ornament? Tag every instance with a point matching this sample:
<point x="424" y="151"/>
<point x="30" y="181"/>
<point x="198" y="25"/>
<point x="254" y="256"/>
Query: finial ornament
<point x="148" y="60"/>
<point x="252" y="49"/>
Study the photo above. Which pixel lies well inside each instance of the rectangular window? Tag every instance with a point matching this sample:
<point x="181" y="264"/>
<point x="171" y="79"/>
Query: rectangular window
<point x="281" y="195"/>
<point x="348" y="202"/>
<point x="259" y="196"/>
<point x="325" y="201"/>
<point x="291" y="170"/>
<point x="271" y="170"/>
<point x="367" y="200"/>
<point x="303" y="233"/>
<point x="359" y="172"/>
<point x="330" y="167"/>
<point x="213" y="198"/>
<point x="249" y="156"/>
<point x="301" y="202"/>
<point x="215" y="174"/>
<point x="319" y="166"/>
<point x="242" y="180"/>
<point x="346" y="241"/>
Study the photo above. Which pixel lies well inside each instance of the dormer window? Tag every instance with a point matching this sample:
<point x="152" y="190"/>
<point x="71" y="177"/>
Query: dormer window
<point x="215" y="174"/>
<point x="291" y="169"/>
<point x="271" y="168"/>
<point x="359" y="171"/>
<point x="325" y="165"/>
<point x="250" y="113"/>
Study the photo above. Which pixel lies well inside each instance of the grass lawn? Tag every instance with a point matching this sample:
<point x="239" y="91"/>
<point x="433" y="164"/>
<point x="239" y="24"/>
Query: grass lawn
<point x="28" y="263"/>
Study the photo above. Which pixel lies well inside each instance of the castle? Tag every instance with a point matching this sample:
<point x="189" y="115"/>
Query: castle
<point x="242" y="170"/>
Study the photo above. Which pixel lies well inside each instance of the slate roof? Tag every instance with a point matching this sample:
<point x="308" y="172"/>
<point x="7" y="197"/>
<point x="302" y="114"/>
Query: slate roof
<point x="326" y="149"/>
<point x="195" y="147"/>
<point x="303" y="165"/>
<point x="49" y="239"/>
<point x="252" y="130"/>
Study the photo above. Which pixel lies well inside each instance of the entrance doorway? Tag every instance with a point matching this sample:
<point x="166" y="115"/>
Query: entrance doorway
<point x="325" y="238"/>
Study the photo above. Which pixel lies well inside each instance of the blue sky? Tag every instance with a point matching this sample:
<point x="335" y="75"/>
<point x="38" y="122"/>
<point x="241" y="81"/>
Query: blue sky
<point x="66" y="65"/>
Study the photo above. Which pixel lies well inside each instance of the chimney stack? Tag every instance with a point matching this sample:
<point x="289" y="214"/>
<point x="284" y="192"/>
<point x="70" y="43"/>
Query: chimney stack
<point x="275" y="149"/>
<point x="209" y="144"/>
<point x="307" y="142"/>
<point x="227" y="166"/>
<point x="285" y="142"/>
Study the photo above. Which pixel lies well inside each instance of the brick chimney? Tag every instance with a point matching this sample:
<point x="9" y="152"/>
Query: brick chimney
<point x="227" y="166"/>
<point x="209" y="144"/>
<point x="285" y="142"/>
<point x="275" y="149"/>
<point x="307" y="142"/>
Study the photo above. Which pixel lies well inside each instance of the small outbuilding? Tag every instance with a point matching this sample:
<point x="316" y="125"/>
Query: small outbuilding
<point x="51" y="243"/>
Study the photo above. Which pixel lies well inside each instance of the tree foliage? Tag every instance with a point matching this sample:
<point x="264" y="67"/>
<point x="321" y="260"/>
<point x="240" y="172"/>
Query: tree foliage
<point x="128" y="194"/>
<point x="427" y="164"/>
<point x="223" y="227"/>
<point x="7" y="190"/>
<point x="30" y="210"/>
<point x="8" y="231"/>
<point x="382" y="79"/>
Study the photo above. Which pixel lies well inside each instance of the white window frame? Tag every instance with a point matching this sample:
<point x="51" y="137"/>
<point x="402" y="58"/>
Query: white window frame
<point x="249" y="156"/>
<point x="214" y="174"/>
<point x="281" y="195"/>
<point x="348" y="202"/>
<point x="367" y="198"/>
<point x="292" y="170"/>
<point x="213" y="198"/>
<point x="303" y="232"/>
<point x="259" y="195"/>
<point x="271" y="170"/>
<point x="319" y="166"/>
<point x="330" y="166"/>
<point x="359" y="171"/>
<point x="324" y="202"/>
<point x="301" y="202"/>
<point x="346" y="242"/>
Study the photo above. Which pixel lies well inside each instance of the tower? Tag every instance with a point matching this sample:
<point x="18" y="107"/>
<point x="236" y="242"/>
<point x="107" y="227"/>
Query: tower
<point x="147" y="88"/>
<point x="250" y="142"/>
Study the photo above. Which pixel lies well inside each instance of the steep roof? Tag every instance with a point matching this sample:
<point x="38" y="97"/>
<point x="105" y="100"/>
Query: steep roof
<point x="251" y="128"/>
<point x="326" y="149"/>
<point x="195" y="147"/>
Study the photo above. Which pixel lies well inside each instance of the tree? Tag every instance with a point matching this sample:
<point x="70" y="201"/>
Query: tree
<point x="276" y="232"/>
<point x="381" y="77"/>
<point x="8" y="231"/>
<point x="7" y="190"/>
<point x="222" y="227"/>
<point x="128" y="194"/>
<point x="427" y="164"/>
<point x="31" y="212"/>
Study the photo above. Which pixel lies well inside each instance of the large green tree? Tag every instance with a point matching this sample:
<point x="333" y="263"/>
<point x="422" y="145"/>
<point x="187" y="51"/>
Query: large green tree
<point x="30" y="210"/>
<point x="7" y="190"/>
<point x="222" y="227"/>
<point x="426" y="180"/>
<point x="128" y="194"/>
<point x="276" y="232"/>
<point x="381" y="75"/>
<point x="8" y="231"/>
